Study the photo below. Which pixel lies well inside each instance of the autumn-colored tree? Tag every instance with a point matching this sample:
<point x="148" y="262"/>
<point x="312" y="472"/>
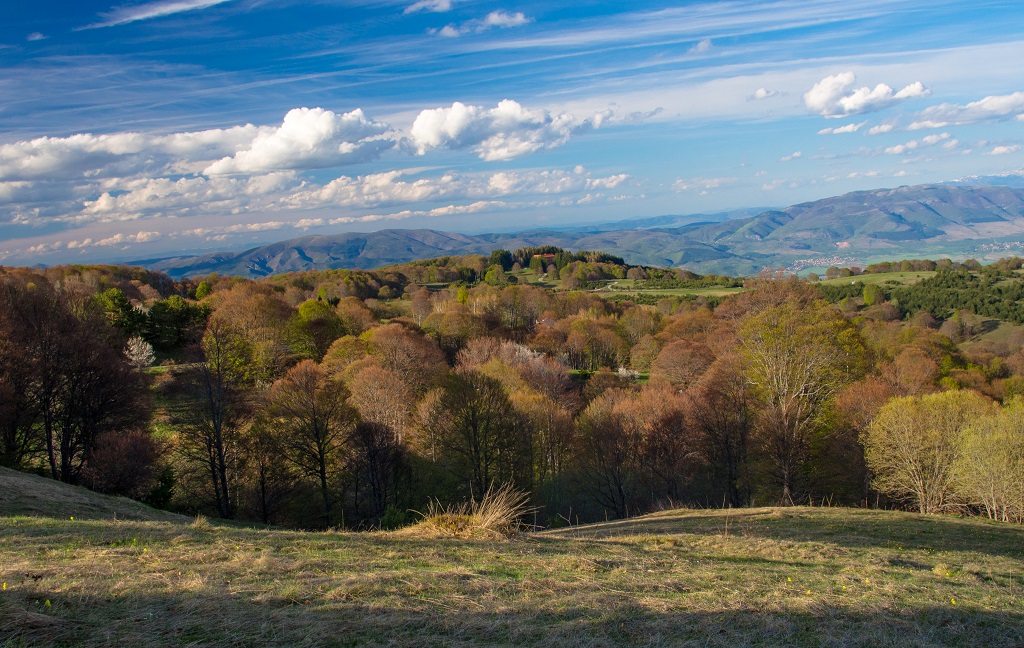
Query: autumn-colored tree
<point x="721" y="410"/>
<point x="607" y="454"/>
<point x="415" y="357"/>
<point x="681" y="363"/>
<point x="384" y="397"/>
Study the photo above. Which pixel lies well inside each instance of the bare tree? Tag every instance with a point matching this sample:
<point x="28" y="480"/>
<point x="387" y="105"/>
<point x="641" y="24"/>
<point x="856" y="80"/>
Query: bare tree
<point x="313" y="419"/>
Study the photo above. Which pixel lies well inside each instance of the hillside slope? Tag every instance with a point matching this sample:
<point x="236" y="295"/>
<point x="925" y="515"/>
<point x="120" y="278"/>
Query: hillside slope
<point x="796" y="577"/>
<point x="26" y="494"/>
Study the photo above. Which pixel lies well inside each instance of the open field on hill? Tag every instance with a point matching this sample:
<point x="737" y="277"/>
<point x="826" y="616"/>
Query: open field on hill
<point x="767" y="576"/>
<point x="902" y="278"/>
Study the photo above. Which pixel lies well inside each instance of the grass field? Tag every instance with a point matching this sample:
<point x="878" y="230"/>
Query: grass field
<point x="795" y="576"/>
<point x="904" y="278"/>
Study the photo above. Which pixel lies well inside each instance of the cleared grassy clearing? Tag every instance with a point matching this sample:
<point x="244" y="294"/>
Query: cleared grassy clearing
<point x="903" y="278"/>
<point x="797" y="576"/>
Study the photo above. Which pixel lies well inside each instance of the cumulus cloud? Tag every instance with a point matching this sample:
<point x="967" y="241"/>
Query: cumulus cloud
<point x="35" y="36"/>
<point x="165" y="196"/>
<point x="499" y="19"/>
<point x="502" y="133"/>
<point x="991" y="108"/>
<point x="849" y="128"/>
<point x="1005" y="150"/>
<point x="835" y="96"/>
<point x="436" y="6"/>
<point x="701" y="184"/>
<point x="763" y="93"/>
<point x="118" y="154"/>
<point x="792" y="156"/>
<point x="310" y="138"/>
<point x="393" y="187"/>
<point x="881" y="129"/>
<point x="930" y="140"/>
<point x="134" y="13"/>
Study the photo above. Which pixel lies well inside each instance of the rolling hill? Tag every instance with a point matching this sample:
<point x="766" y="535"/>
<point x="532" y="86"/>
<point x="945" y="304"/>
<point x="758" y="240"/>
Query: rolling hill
<point x="860" y="227"/>
<point x="794" y="576"/>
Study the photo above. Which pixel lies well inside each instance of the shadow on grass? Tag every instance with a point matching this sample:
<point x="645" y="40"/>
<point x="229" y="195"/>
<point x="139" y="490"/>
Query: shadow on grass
<point x="850" y="528"/>
<point x="190" y="620"/>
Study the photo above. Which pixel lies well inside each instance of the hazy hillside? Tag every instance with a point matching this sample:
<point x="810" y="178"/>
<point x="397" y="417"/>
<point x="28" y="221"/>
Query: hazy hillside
<point x="859" y="227"/>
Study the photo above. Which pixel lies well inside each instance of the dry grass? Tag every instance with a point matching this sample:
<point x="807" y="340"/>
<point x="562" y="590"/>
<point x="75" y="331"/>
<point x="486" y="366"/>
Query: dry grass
<point x="497" y="515"/>
<point x="26" y="494"/>
<point x="799" y="576"/>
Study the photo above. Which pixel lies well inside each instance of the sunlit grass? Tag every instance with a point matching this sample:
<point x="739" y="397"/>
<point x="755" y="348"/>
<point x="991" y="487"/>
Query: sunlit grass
<point x="795" y="576"/>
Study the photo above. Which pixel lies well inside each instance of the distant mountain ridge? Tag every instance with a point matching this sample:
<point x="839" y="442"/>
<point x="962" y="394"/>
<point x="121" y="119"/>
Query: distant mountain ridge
<point x="905" y="222"/>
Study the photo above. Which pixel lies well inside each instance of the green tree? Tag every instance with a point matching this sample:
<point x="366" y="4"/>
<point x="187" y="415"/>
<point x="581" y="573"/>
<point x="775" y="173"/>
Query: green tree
<point x="990" y="466"/>
<point x="796" y="359"/>
<point x="913" y="445"/>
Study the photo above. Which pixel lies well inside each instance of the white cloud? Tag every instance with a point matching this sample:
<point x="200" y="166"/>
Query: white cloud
<point x="309" y="138"/>
<point x="913" y="145"/>
<point x="792" y="156"/>
<point x="133" y="13"/>
<point x="993" y="107"/>
<point x="436" y="6"/>
<point x="167" y="197"/>
<point x="834" y="96"/>
<point x="1004" y="150"/>
<point x="499" y="18"/>
<point x="763" y="93"/>
<point x="702" y="47"/>
<point x="35" y="36"/>
<point x="849" y="128"/>
<point x="119" y="154"/>
<point x="702" y="184"/>
<point x="502" y="133"/>
<point x="881" y="129"/>
<point x="504" y="19"/>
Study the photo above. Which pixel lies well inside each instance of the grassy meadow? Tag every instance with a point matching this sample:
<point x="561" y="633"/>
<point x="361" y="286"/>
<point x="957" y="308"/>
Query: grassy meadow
<point x="749" y="577"/>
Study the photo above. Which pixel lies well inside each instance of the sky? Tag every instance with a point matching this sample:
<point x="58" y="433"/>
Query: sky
<point x="154" y="128"/>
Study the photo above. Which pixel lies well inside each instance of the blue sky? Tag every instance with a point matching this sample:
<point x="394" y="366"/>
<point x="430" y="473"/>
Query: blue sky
<point x="146" y="129"/>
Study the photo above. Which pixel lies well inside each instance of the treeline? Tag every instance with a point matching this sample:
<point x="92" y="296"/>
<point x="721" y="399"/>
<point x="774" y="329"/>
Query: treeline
<point x="995" y="290"/>
<point x="349" y="398"/>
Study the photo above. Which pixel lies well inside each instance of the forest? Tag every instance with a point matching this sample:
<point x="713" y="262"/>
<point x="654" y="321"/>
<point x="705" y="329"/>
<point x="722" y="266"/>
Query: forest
<point x="352" y="399"/>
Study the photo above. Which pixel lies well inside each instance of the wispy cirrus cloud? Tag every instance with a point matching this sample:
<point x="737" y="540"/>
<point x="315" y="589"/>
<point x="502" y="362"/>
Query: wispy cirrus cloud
<point x="434" y="6"/>
<point x="133" y="13"/>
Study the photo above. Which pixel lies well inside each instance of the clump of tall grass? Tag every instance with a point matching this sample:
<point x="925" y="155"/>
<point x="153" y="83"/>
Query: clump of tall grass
<point x="497" y="515"/>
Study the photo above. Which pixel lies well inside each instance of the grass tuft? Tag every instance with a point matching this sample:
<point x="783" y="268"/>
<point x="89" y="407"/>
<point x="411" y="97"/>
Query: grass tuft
<point x="497" y="515"/>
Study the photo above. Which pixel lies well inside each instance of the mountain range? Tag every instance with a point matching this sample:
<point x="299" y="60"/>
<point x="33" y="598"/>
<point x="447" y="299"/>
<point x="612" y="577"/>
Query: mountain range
<point x="919" y="221"/>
